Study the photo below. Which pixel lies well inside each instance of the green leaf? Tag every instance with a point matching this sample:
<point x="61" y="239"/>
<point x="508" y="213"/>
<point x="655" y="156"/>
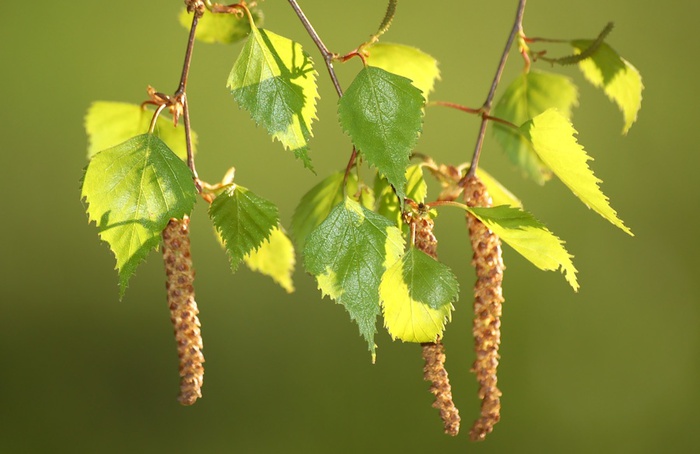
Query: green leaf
<point x="243" y="220"/>
<point x="530" y="238"/>
<point x="316" y="204"/>
<point x="110" y="123"/>
<point x="406" y="61"/>
<point x="416" y="293"/>
<point x="274" y="258"/>
<point x="383" y="114"/>
<point x="274" y="80"/>
<point x="528" y="96"/>
<point x="416" y="190"/>
<point x="500" y="195"/>
<point x="221" y="28"/>
<point x="552" y="137"/>
<point x="620" y="80"/>
<point x="348" y="253"/>
<point x="132" y="191"/>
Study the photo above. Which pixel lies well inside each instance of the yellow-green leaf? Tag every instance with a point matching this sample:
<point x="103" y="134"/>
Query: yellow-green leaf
<point x="275" y="81"/>
<point x="552" y="137"/>
<point x="620" y="81"/>
<point x="406" y="61"/>
<point x="274" y="258"/>
<point x="416" y="293"/>
<point x="530" y="238"/>
<point x="499" y="193"/>
<point x="527" y="96"/>
<point x="221" y="28"/>
<point x="110" y="123"/>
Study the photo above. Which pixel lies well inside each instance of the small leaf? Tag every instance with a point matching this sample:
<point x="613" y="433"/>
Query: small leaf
<point x="406" y="61"/>
<point x="221" y="28"/>
<point x="243" y="220"/>
<point x="274" y="80"/>
<point x="383" y="114"/>
<point x="552" y="137"/>
<point x="274" y="258"/>
<point x="132" y="191"/>
<point x="416" y="293"/>
<point x="620" y="80"/>
<point x="416" y="190"/>
<point x="110" y="123"/>
<point x="316" y="204"/>
<point x="530" y="238"/>
<point x="499" y="193"/>
<point x="528" y="96"/>
<point x="348" y="253"/>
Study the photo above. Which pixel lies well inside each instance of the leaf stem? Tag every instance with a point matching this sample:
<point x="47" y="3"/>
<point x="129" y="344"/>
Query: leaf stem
<point x="327" y="55"/>
<point x="486" y="108"/>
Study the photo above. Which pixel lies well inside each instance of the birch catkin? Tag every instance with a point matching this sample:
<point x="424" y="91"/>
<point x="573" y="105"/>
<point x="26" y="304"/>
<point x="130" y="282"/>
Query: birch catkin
<point x="488" y="299"/>
<point x="434" y="352"/>
<point x="183" y="308"/>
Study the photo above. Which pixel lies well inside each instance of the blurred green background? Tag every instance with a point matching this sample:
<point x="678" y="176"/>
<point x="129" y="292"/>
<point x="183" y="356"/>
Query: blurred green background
<point x="613" y="368"/>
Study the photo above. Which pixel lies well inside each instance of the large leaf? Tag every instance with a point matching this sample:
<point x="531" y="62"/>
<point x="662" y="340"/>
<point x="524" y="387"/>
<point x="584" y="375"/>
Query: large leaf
<point x="243" y="220"/>
<point x="416" y="293"/>
<point x="530" y="238"/>
<point x="274" y="258"/>
<point x="387" y="202"/>
<point x="132" y="191"/>
<point x="552" y="137"/>
<point x="620" y="80"/>
<point x="383" y="114"/>
<point x="221" y="28"/>
<point x="318" y="202"/>
<point x="110" y="123"/>
<point x="527" y="96"/>
<point x="348" y="253"/>
<point x="274" y="79"/>
<point x="406" y="61"/>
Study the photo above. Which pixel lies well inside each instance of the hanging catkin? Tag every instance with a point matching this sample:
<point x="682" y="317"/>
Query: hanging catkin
<point x="488" y="299"/>
<point x="434" y="352"/>
<point x="183" y="308"/>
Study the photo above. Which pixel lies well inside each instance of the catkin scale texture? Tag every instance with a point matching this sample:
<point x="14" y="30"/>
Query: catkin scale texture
<point x="434" y="352"/>
<point x="488" y="299"/>
<point x="183" y="308"/>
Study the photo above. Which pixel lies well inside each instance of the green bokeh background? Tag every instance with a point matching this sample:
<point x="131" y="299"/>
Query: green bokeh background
<point x="613" y="368"/>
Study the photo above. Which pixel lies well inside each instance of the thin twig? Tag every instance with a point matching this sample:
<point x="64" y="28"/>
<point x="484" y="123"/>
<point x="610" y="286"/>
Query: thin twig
<point x="486" y="109"/>
<point x="327" y="55"/>
<point x="181" y="97"/>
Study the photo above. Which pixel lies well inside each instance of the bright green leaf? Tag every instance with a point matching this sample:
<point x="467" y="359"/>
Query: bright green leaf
<point x="274" y="80"/>
<point x="528" y="96"/>
<point x="416" y="293"/>
<point x="316" y="204"/>
<point x="416" y="190"/>
<point x="406" y="61"/>
<point x="553" y="139"/>
<point x="348" y="253"/>
<point x="243" y="220"/>
<point x="530" y="238"/>
<point x="132" y="191"/>
<point x="500" y="195"/>
<point x="620" y="80"/>
<point x="274" y="258"/>
<point x="221" y="28"/>
<point x="383" y="114"/>
<point x="110" y="123"/>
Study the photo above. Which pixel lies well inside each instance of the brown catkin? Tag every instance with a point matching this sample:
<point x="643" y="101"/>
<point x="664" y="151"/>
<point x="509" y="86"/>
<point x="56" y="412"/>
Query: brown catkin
<point x="183" y="308"/>
<point x="488" y="299"/>
<point x="434" y="352"/>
